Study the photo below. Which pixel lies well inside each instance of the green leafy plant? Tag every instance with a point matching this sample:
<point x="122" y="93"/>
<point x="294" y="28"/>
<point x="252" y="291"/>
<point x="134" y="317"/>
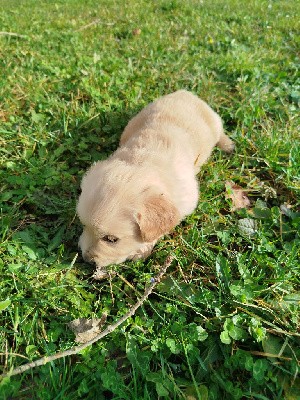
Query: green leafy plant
<point x="224" y="322"/>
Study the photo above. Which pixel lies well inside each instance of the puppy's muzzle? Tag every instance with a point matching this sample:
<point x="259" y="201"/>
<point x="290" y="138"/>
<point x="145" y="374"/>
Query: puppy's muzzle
<point x="89" y="257"/>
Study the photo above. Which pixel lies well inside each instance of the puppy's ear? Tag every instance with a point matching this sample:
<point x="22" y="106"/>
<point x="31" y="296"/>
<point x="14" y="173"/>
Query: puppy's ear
<point x="158" y="217"/>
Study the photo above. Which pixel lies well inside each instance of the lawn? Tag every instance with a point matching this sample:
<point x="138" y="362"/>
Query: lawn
<point x="224" y="321"/>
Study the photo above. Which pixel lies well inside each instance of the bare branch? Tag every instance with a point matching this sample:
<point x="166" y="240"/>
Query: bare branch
<point x="95" y="22"/>
<point x="108" y="330"/>
<point x="14" y="35"/>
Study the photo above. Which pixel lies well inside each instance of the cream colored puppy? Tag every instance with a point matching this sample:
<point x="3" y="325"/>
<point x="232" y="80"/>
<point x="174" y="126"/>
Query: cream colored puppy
<point x="148" y="185"/>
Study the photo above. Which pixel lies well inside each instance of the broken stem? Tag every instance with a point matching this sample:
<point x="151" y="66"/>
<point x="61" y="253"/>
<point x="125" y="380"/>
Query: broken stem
<point x="13" y="34"/>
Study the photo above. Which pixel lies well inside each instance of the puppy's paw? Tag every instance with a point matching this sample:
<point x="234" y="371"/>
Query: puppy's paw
<point x="100" y="274"/>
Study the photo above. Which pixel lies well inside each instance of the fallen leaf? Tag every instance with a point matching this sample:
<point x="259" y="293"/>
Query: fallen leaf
<point x="237" y="195"/>
<point x="136" y="32"/>
<point x="3" y="116"/>
<point x="87" y="329"/>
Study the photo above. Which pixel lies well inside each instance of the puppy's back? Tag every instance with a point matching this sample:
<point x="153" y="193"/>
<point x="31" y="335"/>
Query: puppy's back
<point x="182" y="114"/>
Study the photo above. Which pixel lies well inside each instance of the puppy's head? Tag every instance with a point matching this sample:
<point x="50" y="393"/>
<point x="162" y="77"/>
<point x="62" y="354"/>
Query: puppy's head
<point x="123" y="213"/>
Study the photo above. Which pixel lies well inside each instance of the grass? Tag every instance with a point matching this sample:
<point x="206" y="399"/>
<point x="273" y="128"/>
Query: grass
<point x="224" y="323"/>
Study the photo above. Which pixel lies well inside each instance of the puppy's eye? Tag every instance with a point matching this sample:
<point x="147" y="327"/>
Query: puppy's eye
<point x="110" y="239"/>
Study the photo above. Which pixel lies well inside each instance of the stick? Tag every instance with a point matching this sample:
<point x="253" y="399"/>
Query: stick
<point x="96" y="22"/>
<point x="108" y="330"/>
<point x="14" y="34"/>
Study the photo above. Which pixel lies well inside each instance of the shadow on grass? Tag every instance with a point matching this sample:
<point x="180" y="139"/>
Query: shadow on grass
<point x="42" y="191"/>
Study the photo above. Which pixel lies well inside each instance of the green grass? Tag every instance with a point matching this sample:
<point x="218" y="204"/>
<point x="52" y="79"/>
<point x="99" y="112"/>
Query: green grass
<point x="231" y="297"/>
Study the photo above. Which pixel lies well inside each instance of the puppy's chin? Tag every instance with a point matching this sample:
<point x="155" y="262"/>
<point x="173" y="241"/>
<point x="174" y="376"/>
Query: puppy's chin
<point x="101" y="271"/>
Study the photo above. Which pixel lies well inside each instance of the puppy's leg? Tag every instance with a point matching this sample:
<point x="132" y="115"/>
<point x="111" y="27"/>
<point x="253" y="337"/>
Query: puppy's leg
<point x="225" y="143"/>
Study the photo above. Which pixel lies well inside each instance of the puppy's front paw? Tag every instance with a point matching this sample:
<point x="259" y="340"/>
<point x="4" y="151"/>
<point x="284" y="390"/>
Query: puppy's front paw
<point x="100" y="274"/>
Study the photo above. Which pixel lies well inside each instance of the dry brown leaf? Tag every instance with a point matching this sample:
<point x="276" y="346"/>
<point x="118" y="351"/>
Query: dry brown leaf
<point x="3" y="116"/>
<point x="237" y="195"/>
<point x="136" y="32"/>
<point x="86" y="329"/>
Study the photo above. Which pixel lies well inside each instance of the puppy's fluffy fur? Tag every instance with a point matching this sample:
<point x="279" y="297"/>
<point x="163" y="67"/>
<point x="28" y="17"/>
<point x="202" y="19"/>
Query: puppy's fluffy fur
<point x="148" y="185"/>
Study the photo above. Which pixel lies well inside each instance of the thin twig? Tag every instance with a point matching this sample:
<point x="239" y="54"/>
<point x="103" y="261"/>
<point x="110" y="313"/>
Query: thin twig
<point x="95" y="22"/>
<point x="270" y="355"/>
<point x="108" y="330"/>
<point x="12" y="354"/>
<point x="14" y="35"/>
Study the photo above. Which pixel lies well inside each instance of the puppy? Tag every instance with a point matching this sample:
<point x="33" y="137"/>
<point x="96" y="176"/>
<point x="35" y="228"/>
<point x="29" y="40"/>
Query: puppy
<point x="148" y="185"/>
